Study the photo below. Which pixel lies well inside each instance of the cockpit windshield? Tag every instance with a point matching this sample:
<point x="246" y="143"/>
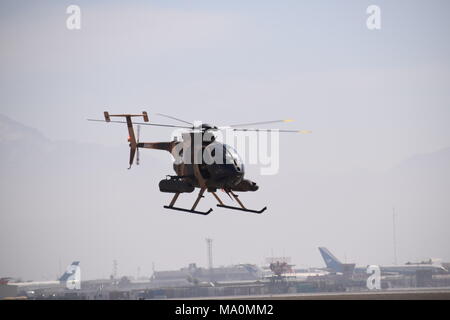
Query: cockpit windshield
<point x="223" y="154"/>
<point x="232" y="157"/>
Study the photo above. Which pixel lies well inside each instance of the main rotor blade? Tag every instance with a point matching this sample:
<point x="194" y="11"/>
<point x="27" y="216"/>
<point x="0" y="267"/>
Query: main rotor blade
<point x="221" y="128"/>
<point x="143" y="123"/>
<point x="173" y="118"/>
<point x="258" y="123"/>
<point x="274" y="130"/>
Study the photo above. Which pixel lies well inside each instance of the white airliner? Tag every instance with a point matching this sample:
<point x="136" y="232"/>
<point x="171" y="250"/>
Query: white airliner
<point x="70" y="277"/>
<point x="335" y="265"/>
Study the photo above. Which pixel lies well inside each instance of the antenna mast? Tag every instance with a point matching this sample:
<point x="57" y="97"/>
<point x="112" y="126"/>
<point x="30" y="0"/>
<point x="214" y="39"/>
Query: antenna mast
<point x="394" y="235"/>
<point x="210" y="256"/>
<point x="209" y="253"/>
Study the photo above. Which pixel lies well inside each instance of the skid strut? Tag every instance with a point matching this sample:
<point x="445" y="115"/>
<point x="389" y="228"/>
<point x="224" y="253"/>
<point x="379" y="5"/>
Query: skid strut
<point x="192" y="210"/>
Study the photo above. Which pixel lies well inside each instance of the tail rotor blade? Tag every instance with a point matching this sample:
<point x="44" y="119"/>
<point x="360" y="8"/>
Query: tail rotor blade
<point x="138" y="132"/>
<point x="138" y="138"/>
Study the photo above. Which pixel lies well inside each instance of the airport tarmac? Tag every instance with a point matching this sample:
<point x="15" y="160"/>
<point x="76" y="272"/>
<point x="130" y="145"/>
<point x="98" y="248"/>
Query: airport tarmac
<point x="406" y="294"/>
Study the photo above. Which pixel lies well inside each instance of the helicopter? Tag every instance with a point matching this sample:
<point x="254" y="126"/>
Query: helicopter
<point x="200" y="160"/>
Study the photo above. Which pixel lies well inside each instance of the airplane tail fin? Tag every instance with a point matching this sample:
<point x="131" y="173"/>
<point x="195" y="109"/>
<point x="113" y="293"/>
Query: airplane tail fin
<point x="331" y="261"/>
<point x="71" y="269"/>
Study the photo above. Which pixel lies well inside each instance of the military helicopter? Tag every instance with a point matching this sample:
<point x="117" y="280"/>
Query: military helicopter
<point x="222" y="170"/>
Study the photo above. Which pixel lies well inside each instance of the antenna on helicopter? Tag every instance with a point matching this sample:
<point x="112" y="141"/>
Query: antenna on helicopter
<point x="173" y="118"/>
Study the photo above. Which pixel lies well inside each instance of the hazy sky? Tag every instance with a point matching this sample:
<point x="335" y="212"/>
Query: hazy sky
<point x="384" y="92"/>
<point x="371" y="98"/>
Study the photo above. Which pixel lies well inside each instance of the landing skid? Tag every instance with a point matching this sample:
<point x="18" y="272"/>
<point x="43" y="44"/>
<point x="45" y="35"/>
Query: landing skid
<point x="192" y="210"/>
<point x="221" y="204"/>
<point x="241" y="208"/>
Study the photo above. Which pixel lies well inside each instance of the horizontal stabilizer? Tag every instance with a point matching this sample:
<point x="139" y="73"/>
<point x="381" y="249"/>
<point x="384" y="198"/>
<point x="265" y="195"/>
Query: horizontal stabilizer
<point x="108" y="116"/>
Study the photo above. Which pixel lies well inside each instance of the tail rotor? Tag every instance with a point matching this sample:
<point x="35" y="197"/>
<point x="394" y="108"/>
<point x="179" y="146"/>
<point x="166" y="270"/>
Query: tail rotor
<point x="137" y="145"/>
<point x="131" y="137"/>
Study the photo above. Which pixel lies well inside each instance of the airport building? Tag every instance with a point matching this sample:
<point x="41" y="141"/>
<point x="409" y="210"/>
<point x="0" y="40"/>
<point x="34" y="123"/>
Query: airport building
<point x="279" y="278"/>
<point x="195" y="275"/>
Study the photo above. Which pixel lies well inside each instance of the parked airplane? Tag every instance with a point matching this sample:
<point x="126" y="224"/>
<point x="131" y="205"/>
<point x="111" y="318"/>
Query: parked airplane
<point x="71" y="276"/>
<point x="334" y="265"/>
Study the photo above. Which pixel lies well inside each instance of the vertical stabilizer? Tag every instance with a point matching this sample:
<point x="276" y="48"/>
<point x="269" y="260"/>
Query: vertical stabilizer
<point x="331" y="261"/>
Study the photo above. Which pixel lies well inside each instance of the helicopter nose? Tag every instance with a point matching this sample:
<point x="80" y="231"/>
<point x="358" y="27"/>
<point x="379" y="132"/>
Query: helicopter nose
<point x="246" y="185"/>
<point x="252" y="186"/>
